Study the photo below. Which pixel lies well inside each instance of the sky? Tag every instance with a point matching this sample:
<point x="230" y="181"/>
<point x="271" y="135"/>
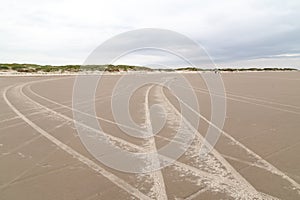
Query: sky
<point x="252" y="33"/>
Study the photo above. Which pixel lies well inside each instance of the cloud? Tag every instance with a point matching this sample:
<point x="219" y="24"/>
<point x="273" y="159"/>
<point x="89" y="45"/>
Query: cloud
<point x="233" y="32"/>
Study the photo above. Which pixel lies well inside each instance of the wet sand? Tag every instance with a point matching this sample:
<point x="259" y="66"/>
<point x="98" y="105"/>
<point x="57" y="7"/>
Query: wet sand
<point x="256" y="157"/>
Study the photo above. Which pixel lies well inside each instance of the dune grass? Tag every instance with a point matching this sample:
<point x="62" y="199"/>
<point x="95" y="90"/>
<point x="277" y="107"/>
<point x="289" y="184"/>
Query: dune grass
<point x="34" y="68"/>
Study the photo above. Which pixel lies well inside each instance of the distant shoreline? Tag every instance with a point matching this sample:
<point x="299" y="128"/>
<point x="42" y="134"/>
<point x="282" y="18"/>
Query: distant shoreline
<point x="15" y="69"/>
<point x="24" y="74"/>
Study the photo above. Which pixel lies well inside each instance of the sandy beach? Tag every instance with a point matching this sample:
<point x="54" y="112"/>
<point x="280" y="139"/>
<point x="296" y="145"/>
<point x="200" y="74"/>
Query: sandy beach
<point x="256" y="156"/>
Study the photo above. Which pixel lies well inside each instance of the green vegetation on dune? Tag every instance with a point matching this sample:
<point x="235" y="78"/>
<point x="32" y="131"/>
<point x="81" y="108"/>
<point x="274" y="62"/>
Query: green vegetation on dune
<point x="33" y="68"/>
<point x="236" y="69"/>
<point x="189" y="69"/>
<point x="117" y="68"/>
<point x="257" y="69"/>
<point x="4" y="68"/>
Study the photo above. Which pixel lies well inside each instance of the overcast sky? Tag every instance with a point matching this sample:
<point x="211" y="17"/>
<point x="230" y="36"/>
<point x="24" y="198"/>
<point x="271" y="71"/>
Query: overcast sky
<point x="235" y="33"/>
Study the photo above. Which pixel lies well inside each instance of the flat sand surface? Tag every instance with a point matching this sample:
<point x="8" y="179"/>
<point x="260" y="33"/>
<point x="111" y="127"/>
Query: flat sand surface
<point x="256" y="157"/>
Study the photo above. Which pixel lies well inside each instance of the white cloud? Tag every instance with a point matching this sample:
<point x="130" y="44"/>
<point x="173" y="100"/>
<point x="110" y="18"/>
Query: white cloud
<point x="66" y="31"/>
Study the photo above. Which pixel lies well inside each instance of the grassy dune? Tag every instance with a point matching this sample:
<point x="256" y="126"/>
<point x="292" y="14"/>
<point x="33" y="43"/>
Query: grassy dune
<point x="34" y="68"/>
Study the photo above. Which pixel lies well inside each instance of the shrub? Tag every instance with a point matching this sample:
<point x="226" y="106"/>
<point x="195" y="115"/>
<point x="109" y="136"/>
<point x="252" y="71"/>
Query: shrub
<point x="4" y="68"/>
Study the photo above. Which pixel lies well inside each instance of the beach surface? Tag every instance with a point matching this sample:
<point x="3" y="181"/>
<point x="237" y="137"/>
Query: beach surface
<point x="255" y="157"/>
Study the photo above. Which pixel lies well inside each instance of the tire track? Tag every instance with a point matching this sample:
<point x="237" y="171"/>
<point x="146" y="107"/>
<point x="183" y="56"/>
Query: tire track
<point x="268" y="166"/>
<point x="231" y="169"/>
<point x="249" y="102"/>
<point x="183" y="166"/>
<point x="91" y="164"/>
<point x="19" y="176"/>
<point x="159" y="183"/>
